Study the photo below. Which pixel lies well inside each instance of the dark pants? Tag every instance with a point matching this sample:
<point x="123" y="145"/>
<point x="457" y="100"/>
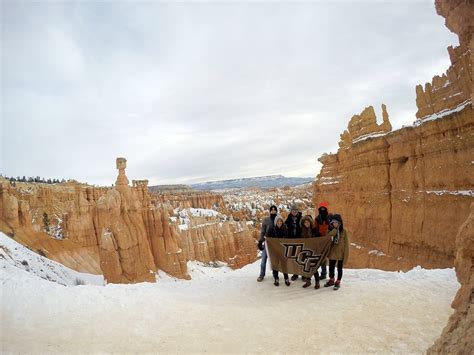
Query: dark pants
<point x="316" y="277"/>
<point x="324" y="269"/>
<point x="275" y="275"/>
<point x="332" y="265"/>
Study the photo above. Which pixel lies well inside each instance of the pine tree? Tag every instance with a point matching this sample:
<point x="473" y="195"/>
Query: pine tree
<point x="46" y="221"/>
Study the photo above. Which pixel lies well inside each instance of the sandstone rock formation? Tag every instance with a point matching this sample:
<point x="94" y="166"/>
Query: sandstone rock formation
<point x="398" y="189"/>
<point x="124" y="246"/>
<point x="458" y="335"/>
<point x="183" y="196"/>
<point x="364" y="126"/>
<point x="231" y="242"/>
<point x="253" y="204"/>
<point x="123" y="232"/>
<point x="455" y="87"/>
<point x="192" y="199"/>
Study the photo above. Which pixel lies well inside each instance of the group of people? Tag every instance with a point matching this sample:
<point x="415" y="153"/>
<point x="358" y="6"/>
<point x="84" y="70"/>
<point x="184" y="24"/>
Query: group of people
<point x="298" y="226"/>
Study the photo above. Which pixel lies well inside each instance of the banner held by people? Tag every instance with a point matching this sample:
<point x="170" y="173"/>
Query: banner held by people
<point x="301" y="256"/>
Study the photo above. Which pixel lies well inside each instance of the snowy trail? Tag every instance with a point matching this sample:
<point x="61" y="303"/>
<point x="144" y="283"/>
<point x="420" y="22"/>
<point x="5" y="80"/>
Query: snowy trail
<point x="221" y="310"/>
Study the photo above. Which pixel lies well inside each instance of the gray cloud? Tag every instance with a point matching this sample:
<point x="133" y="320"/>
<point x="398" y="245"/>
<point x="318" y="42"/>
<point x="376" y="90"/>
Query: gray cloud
<point x="195" y="91"/>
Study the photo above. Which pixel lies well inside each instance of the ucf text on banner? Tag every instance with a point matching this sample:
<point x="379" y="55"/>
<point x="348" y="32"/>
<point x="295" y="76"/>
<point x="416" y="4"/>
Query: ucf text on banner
<point x="301" y="256"/>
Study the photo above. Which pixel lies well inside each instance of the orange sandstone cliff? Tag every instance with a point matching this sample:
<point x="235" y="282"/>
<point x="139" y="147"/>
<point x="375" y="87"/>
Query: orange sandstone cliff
<point x="124" y="232"/>
<point x="404" y="193"/>
<point x="458" y="335"/>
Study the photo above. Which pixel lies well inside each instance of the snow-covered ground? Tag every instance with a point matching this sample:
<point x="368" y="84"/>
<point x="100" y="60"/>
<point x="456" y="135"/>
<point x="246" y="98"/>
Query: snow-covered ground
<point x="223" y="310"/>
<point x="19" y="261"/>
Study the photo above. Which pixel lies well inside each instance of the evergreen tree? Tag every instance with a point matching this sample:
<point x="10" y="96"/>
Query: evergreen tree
<point x="46" y="221"/>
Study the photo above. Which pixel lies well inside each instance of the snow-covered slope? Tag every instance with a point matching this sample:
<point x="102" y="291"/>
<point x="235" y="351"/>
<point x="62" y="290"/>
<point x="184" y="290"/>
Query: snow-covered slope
<point x="15" y="259"/>
<point x="222" y="310"/>
<point x="261" y="181"/>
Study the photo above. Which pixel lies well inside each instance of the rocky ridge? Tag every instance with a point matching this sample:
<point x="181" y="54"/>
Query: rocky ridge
<point x="458" y="335"/>
<point x="124" y="232"/>
<point x="397" y="189"/>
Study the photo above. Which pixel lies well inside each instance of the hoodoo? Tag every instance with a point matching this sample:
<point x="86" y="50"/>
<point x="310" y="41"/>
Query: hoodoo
<point x="124" y="232"/>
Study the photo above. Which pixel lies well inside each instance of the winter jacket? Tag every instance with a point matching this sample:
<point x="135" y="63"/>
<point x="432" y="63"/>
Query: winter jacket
<point x="321" y="226"/>
<point x="307" y="232"/>
<point x="266" y="224"/>
<point x="339" y="251"/>
<point x="293" y="225"/>
<point x="275" y="232"/>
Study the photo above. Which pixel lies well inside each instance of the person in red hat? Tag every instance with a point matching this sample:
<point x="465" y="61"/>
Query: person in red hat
<point x="321" y="228"/>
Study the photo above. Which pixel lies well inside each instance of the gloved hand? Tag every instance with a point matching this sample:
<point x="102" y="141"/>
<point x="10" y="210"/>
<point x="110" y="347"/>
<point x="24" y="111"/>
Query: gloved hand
<point x="260" y="245"/>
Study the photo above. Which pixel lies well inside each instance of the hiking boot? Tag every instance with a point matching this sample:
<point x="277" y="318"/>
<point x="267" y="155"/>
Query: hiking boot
<point x="294" y="277"/>
<point x="287" y="282"/>
<point x="337" y="285"/>
<point x="329" y="283"/>
<point x="317" y="285"/>
<point x="276" y="283"/>
<point x="307" y="284"/>
<point x="260" y="278"/>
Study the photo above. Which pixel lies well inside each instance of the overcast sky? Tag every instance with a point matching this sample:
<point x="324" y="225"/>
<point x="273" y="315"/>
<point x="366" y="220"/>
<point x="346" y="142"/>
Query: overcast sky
<point x="197" y="91"/>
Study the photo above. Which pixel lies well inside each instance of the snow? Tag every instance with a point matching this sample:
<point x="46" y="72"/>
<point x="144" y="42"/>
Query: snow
<point x="329" y="180"/>
<point x="377" y="252"/>
<point x="443" y="113"/>
<point x="223" y="310"/>
<point x="15" y="259"/>
<point x="183" y="217"/>
<point x="469" y="193"/>
<point x="370" y="135"/>
<point x="202" y="212"/>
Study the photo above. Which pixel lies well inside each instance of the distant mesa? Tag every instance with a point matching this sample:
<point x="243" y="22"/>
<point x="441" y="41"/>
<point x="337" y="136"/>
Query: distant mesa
<point x="263" y="182"/>
<point x="171" y="189"/>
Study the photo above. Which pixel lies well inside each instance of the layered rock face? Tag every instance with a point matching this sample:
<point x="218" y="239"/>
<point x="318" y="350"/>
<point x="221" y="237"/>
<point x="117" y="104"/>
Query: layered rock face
<point x="455" y="87"/>
<point x="211" y="241"/>
<point x="124" y="232"/>
<point x="183" y="196"/>
<point x="404" y="193"/>
<point x="191" y="199"/>
<point x="253" y="204"/>
<point x="398" y="190"/>
<point x="26" y="208"/>
<point x="365" y="125"/>
<point x="458" y="335"/>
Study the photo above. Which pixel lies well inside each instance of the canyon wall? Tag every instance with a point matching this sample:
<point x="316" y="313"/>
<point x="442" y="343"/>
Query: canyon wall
<point x="458" y="335"/>
<point x="404" y="193"/>
<point x="191" y="199"/>
<point x="213" y="241"/>
<point x="123" y="232"/>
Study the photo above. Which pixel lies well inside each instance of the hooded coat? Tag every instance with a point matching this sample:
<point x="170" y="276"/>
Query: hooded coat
<point x="278" y="232"/>
<point x="339" y="251"/>
<point x="307" y="232"/>
<point x="293" y="225"/>
<point x="321" y="222"/>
